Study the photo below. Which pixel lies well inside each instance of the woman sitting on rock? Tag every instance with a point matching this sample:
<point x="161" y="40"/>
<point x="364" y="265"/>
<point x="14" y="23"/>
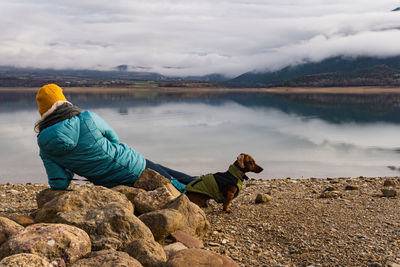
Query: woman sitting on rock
<point x="72" y="141"/>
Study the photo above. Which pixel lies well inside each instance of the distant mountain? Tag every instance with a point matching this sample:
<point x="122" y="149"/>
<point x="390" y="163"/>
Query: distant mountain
<point x="329" y="72"/>
<point x="121" y="76"/>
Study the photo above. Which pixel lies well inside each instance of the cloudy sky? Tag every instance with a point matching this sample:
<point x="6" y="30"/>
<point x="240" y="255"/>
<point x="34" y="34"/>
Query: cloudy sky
<point x="189" y="37"/>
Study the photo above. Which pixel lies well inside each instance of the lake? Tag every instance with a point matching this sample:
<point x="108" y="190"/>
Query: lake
<point x="290" y="135"/>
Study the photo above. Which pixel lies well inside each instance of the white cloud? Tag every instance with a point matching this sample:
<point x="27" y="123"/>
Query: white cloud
<point x="193" y="37"/>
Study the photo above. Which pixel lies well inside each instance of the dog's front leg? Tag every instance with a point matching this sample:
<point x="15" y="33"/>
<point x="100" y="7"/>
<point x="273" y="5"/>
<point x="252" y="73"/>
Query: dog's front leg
<point x="229" y="194"/>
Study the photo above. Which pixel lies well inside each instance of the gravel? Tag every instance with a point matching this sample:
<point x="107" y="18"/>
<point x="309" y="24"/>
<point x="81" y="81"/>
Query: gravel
<point x="354" y="226"/>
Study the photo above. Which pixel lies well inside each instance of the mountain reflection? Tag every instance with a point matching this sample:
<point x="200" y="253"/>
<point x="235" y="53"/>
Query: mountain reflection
<point x="289" y="135"/>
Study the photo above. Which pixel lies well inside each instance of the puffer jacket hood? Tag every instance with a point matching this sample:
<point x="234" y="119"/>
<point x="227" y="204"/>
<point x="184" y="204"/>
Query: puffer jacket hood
<point x="86" y="145"/>
<point x="61" y="137"/>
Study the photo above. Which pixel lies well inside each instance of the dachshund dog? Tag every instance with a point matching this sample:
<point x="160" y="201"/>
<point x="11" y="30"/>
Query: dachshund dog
<point x="222" y="186"/>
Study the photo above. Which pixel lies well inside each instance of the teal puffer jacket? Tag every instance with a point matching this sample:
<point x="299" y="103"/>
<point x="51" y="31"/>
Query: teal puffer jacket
<point x="88" y="146"/>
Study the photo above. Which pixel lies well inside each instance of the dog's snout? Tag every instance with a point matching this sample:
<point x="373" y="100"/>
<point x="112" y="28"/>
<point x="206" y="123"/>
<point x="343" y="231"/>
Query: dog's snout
<point x="258" y="169"/>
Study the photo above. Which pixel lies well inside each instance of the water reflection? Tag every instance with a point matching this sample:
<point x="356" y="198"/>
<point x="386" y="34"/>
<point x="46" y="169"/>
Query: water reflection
<point x="287" y="136"/>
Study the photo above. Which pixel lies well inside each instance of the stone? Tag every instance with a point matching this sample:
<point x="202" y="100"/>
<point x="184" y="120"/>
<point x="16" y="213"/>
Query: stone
<point x="171" y="249"/>
<point x="351" y="187"/>
<point x="389" y="192"/>
<point x="47" y="195"/>
<point x="392" y="264"/>
<point x="107" y="258"/>
<point x="330" y="189"/>
<point x="150" y="180"/>
<point x="8" y="228"/>
<point x="153" y="200"/>
<point x="262" y="198"/>
<point x="80" y="199"/>
<point x="129" y="191"/>
<point x="23" y="219"/>
<point x="112" y="226"/>
<point x="163" y="222"/>
<point x="390" y="182"/>
<point x="186" y="239"/>
<point x="195" y="220"/>
<point x="199" y="257"/>
<point x="25" y="260"/>
<point x="330" y="194"/>
<point x="60" y="242"/>
<point x="148" y="252"/>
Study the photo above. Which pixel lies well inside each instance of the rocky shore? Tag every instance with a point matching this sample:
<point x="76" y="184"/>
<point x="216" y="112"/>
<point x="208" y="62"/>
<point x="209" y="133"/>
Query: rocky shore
<point x="280" y="222"/>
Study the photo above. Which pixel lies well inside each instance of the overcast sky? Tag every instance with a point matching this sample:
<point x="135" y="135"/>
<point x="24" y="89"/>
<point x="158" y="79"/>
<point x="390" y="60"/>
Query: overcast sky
<point x="187" y="37"/>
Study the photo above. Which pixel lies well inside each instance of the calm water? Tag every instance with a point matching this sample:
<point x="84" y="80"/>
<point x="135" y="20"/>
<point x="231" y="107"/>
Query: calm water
<point x="289" y="135"/>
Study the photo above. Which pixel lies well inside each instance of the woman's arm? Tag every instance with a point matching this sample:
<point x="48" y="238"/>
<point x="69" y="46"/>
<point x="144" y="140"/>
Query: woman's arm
<point x="59" y="178"/>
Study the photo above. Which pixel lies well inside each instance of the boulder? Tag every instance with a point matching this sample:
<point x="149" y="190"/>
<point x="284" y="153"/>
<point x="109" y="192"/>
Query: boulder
<point x="107" y="258"/>
<point x="150" y="180"/>
<point x="8" y="228"/>
<point x="186" y="239"/>
<point x="80" y="199"/>
<point x="60" y="242"/>
<point x="148" y="252"/>
<point x="106" y="215"/>
<point x="111" y="226"/>
<point x="25" y="260"/>
<point x="262" y="198"/>
<point x="163" y="222"/>
<point x="199" y="257"/>
<point x="129" y="191"/>
<point x="195" y="220"/>
<point x="153" y="200"/>
<point x="171" y="249"/>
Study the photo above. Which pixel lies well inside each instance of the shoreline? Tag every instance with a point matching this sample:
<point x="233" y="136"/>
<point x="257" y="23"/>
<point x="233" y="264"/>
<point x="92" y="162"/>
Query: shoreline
<point x="312" y="221"/>
<point x="273" y="90"/>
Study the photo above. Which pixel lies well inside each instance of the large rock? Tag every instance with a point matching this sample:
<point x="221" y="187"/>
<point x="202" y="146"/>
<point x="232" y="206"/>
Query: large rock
<point x="195" y="220"/>
<point x="60" y="242"/>
<point x="106" y="215"/>
<point x="107" y="258"/>
<point x="109" y="227"/>
<point x="79" y="200"/>
<point x="150" y="180"/>
<point x="199" y="257"/>
<point x="163" y="222"/>
<point x="25" y="260"/>
<point x="8" y="228"/>
<point x="129" y="191"/>
<point x="148" y="252"/>
<point x="153" y="200"/>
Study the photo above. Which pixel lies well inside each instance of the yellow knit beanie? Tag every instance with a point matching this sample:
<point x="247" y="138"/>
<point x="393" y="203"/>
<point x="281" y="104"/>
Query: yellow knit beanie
<point x="47" y="96"/>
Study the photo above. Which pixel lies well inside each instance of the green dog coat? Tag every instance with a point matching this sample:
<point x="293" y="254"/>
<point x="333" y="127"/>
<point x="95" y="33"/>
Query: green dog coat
<point x="213" y="184"/>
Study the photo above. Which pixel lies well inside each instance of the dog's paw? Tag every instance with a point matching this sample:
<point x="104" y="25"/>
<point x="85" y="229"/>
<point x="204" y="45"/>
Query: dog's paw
<point x="227" y="210"/>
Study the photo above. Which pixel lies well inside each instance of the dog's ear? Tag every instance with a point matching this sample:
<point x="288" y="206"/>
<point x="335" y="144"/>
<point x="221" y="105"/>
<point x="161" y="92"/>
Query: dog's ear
<point x="240" y="160"/>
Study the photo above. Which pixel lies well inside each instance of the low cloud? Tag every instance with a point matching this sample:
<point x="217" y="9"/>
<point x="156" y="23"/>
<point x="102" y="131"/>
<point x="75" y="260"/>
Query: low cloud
<point x="193" y="37"/>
